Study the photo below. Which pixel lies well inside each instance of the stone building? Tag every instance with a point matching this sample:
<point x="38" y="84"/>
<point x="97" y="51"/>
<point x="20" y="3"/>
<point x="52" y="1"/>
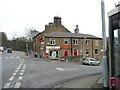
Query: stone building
<point x="56" y="41"/>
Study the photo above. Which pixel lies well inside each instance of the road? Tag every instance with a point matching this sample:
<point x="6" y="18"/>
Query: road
<point x="20" y="71"/>
<point x="10" y="61"/>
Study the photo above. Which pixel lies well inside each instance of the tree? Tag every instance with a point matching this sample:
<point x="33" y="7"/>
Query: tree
<point x="3" y="39"/>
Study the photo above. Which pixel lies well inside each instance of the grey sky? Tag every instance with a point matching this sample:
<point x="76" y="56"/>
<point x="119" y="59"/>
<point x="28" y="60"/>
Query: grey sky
<point x="16" y="15"/>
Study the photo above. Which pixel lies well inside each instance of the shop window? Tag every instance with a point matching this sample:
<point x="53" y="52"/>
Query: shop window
<point x="53" y="54"/>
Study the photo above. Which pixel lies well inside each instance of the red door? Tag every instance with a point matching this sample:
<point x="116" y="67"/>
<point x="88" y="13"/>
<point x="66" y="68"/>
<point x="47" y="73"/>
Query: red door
<point x="66" y="53"/>
<point x="75" y="53"/>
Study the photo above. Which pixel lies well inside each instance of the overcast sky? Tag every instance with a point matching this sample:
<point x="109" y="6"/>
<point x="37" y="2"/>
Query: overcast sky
<point x="16" y="15"/>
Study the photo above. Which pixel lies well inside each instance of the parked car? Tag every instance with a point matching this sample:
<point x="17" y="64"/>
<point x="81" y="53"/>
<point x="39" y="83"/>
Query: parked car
<point x="83" y="60"/>
<point x="90" y="61"/>
<point x="9" y="50"/>
<point x="1" y="49"/>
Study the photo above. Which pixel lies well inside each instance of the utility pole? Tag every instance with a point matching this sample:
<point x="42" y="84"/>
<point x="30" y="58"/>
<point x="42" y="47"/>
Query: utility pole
<point x="104" y="61"/>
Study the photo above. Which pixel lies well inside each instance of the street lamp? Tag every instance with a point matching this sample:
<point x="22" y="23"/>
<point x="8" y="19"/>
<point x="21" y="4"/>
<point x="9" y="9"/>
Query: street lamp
<point x="104" y="61"/>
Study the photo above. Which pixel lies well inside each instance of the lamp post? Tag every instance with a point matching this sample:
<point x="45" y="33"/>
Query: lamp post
<point x="104" y="61"/>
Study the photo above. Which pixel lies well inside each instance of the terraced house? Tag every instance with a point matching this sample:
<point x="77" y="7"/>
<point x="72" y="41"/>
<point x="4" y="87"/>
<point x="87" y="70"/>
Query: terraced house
<point x="56" y="41"/>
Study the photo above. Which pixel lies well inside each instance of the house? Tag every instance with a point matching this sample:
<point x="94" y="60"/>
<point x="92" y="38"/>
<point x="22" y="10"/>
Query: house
<point x="56" y="41"/>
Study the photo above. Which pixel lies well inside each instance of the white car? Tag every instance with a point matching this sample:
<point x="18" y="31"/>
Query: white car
<point x="91" y="61"/>
<point x="1" y="49"/>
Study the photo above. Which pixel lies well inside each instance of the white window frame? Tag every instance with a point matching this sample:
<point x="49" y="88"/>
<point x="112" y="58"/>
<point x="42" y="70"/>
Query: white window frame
<point x="76" y="42"/>
<point x="53" y="41"/>
<point x="95" y="52"/>
<point x="65" y="41"/>
<point x="88" y="52"/>
<point x="87" y="42"/>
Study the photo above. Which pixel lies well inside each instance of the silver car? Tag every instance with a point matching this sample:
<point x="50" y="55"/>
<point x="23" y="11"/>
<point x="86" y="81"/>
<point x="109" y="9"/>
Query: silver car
<point x="90" y="61"/>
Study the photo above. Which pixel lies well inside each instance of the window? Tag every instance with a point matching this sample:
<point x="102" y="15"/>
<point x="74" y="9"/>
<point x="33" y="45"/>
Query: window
<point x="52" y="41"/>
<point x="87" y="52"/>
<point x="96" y="42"/>
<point x="96" y="51"/>
<point x="66" y="41"/>
<point x="53" y="54"/>
<point x="75" y="42"/>
<point x="87" y="42"/>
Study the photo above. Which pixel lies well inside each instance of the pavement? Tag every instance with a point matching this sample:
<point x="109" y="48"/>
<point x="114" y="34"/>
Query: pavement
<point x="87" y="82"/>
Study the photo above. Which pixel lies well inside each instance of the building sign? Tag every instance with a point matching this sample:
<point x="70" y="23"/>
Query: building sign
<point x="52" y="47"/>
<point x="41" y="40"/>
<point x="65" y="47"/>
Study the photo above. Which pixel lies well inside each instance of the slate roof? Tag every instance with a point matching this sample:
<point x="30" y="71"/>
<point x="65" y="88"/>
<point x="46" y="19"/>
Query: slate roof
<point x="67" y="35"/>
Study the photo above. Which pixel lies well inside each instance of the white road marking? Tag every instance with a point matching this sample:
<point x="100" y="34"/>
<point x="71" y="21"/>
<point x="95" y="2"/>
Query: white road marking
<point x="16" y="71"/>
<point x="7" y="85"/>
<point x="11" y="78"/>
<point x="24" y="66"/>
<point x="14" y="74"/>
<point x="21" y="73"/>
<point x="12" y="57"/>
<point x="22" y="70"/>
<point x="17" y="57"/>
<point x="66" y="69"/>
<point x="18" y="68"/>
<point x="61" y="69"/>
<point x="20" y="78"/>
<point x="69" y="69"/>
<point x="17" y="85"/>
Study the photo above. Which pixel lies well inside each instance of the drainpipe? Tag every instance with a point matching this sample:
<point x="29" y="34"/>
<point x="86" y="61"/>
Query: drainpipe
<point x="71" y="45"/>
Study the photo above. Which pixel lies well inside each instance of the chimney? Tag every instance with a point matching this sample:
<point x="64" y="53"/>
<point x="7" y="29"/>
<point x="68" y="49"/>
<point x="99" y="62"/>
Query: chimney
<point x="57" y="20"/>
<point x="46" y="26"/>
<point x="50" y="24"/>
<point x="76" y="30"/>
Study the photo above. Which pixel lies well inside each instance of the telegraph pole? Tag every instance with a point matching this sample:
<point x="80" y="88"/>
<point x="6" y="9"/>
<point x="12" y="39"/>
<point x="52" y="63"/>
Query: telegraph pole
<point x="104" y="61"/>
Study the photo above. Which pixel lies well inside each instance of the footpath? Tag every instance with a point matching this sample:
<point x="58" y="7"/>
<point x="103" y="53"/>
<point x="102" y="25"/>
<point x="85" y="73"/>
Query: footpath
<point x="88" y="82"/>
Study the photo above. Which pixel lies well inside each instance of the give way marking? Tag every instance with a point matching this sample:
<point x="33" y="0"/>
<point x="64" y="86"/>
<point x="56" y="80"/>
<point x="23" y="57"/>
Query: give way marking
<point x="66" y="69"/>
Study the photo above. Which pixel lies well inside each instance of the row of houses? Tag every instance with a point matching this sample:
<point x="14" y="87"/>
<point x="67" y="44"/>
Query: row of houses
<point x="56" y="41"/>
